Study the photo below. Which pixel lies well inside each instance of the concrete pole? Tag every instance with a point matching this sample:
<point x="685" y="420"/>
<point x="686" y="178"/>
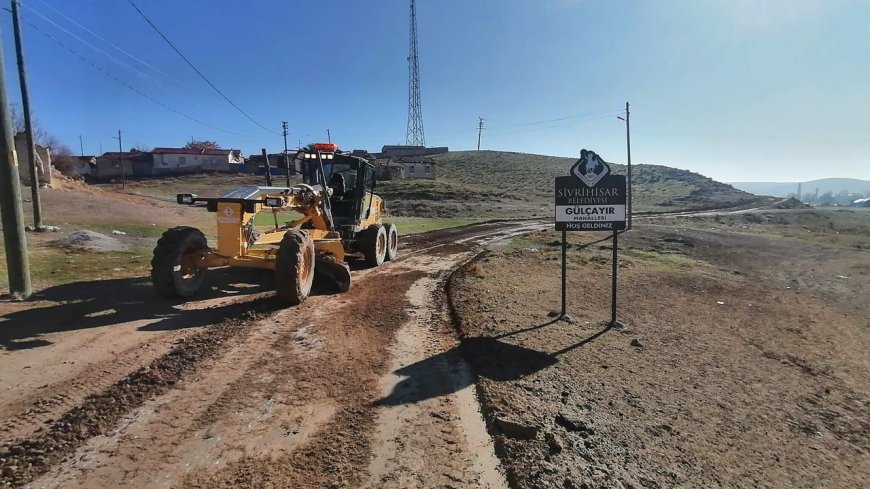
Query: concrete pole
<point x="28" y="122"/>
<point x="17" y="263"/>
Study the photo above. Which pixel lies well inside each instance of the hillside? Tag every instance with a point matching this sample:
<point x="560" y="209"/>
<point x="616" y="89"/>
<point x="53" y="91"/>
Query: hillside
<point x="784" y="189"/>
<point x="505" y="184"/>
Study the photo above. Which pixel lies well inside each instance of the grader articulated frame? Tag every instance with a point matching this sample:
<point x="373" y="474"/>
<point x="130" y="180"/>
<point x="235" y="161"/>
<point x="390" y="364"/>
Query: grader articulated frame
<point x="334" y="214"/>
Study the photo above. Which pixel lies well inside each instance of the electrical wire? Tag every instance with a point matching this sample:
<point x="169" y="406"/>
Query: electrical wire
<point x="550" y="124"/>
<point x="189" y="63"/>
<point x="122" y="82"/>
<point x="116" y="47"/>
<point x="117" y="61"/>
<point x="579" y="116"/>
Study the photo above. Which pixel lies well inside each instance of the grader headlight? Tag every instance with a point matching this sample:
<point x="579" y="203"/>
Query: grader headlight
<point x="274" y="201"/>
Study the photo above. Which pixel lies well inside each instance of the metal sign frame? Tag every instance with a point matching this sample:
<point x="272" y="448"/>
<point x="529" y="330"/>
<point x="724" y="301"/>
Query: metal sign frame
<point x="590" y="199"/>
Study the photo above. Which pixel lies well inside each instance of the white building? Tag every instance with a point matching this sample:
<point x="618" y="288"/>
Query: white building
<point x="176" y="160"/>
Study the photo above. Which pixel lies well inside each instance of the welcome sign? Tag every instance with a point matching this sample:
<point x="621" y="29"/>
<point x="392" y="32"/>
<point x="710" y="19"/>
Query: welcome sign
<point x="591" y="198"/>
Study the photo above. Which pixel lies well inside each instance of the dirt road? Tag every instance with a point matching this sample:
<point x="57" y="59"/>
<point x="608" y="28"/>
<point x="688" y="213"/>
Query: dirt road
<point x="105" y="385"/>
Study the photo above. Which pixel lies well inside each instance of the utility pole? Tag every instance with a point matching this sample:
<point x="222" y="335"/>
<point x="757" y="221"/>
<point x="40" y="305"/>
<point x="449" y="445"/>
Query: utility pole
<point x="479" y="130"/>
<point x="28" y="122"/>
<point x="121" y="160"/>
<point x="286" y="156"/>
<point x="628" y="150"/>
<point x="81" y="146"/>
<point x="328" y="136"/>
<point x="17" y="264"/>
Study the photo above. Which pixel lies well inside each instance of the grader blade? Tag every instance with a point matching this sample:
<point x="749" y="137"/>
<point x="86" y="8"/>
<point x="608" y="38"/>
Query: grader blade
<point x="334" y="270"/>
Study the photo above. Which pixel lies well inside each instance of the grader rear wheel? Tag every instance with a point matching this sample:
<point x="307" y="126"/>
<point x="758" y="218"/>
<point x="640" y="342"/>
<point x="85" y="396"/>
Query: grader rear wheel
<point x="392" y="242"/>
<point x="374" y="245"/>
<point x="175" y="271"/>
<point x="294" y="267"/>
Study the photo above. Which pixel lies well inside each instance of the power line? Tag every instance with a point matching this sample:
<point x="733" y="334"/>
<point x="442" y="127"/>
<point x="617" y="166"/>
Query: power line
<point x="570" y="117"/>
<point x="549" y="125"/>
<point x="122" y="82"/>
<point x="196" y="70"/>
<point x="89" y="31"/>
<point x="544" y="124"/>
<point x="95" y="48"/>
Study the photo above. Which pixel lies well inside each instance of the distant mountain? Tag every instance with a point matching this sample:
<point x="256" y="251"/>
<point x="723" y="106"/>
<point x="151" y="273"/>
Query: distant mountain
<point x="784" y="189"/>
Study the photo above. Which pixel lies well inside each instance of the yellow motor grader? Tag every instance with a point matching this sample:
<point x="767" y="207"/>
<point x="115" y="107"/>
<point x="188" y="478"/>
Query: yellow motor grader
<point x="334" y="213"/>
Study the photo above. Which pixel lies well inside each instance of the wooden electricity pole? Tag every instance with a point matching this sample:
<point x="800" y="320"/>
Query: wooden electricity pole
<point x="286" y="156"/>
<point x="628" y="150"/>
<point x="17" y="265"/>
<point x="121" y="159"/>
<point x="28" y="122"/>
<point x="628" y="170"/>
<point x="479" y="131"/>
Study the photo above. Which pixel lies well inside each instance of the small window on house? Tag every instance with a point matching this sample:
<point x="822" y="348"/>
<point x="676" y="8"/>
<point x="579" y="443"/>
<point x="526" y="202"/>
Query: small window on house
<point x="182" y="160"/>
<point x="213" y="161"/>
<point x="411" y="169"/>
<point x="428" y="169"/>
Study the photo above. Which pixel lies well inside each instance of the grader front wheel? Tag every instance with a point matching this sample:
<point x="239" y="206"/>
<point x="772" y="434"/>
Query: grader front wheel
<point x="294" y="267"/>
<point x="175" y="270"/>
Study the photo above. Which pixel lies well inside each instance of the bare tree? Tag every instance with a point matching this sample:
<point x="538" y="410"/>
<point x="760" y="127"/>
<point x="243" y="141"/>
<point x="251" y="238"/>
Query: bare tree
<point x="204" y="144"/>
<point x="40" y="136"/>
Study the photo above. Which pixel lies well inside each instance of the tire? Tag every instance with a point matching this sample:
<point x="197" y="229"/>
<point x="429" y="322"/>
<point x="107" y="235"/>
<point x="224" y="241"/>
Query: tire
<point x="374" y="245"/>
<point x="174" y="270"/>
<point x="335" y="271"/>
<point x="294" y="267"/>
<point x="392" y="242"/>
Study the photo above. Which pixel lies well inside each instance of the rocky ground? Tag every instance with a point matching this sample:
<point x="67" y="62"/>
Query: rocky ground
<point x="740" y="360"/>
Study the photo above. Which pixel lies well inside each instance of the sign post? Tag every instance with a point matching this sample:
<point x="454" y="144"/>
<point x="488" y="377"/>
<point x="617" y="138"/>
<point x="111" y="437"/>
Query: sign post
<point x="591" y="198"/>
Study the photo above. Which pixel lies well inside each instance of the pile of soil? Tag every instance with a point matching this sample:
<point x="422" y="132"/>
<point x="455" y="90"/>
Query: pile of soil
<point x="90" y="241"/>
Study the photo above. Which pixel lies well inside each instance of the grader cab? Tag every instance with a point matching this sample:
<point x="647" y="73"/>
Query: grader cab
<point x="298" y="231"/>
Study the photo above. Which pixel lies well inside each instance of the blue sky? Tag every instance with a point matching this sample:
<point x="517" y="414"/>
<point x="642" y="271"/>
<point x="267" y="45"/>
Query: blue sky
<point x="733" y="89"/>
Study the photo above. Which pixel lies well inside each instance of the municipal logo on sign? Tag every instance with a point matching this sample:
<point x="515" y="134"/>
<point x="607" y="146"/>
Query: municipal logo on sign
<point x="591" y="198"/>
<point x="590" y="168"/>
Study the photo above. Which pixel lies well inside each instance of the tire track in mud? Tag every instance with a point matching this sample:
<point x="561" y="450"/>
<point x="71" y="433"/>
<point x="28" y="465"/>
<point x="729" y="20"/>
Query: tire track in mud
<point x="430" y="432"/>
<point x="21" y="461"/>
<point x="23" y="416"/>
<point x="91" y="359"/>
<point x="340" y="374"/>
<point x="219" y="395"/>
